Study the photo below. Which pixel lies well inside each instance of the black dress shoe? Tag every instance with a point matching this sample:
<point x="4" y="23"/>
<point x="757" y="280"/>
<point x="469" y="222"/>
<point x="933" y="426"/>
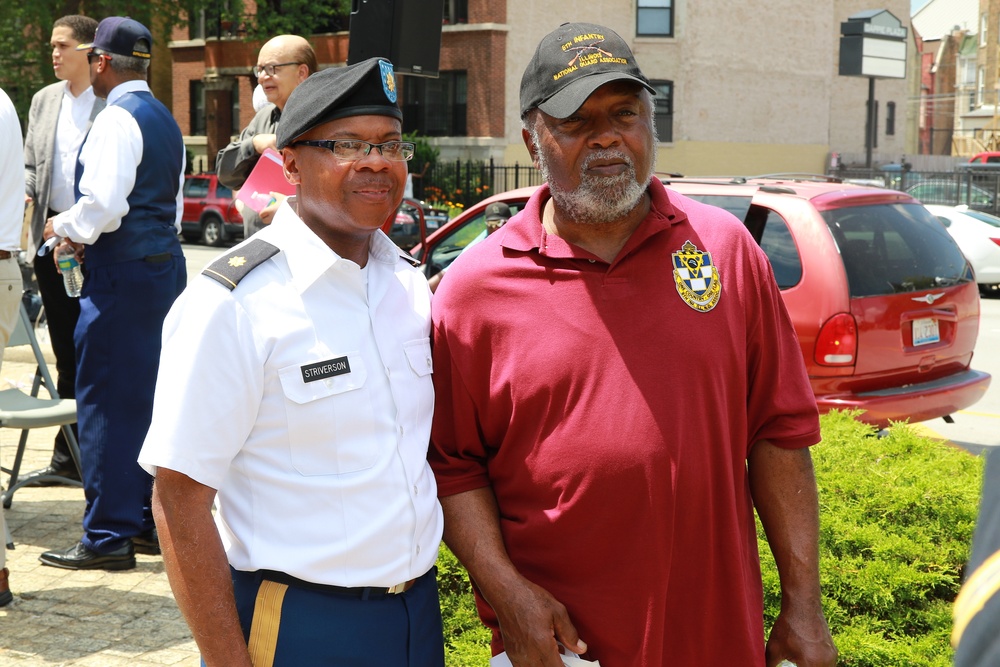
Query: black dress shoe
<point x="52" y="476"/>
<point x="79" y="557"/>
<point x="147" y="543"/>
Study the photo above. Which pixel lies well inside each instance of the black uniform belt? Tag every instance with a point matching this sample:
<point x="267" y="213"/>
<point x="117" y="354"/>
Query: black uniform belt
<point x="363" y="592"/>
<point x="158" y="258"/>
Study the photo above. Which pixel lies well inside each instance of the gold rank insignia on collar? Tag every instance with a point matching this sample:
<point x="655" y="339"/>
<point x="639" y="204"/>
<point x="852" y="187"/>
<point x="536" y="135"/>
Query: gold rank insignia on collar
<point x="229" y="269"/>
<point x="696" y="278"/>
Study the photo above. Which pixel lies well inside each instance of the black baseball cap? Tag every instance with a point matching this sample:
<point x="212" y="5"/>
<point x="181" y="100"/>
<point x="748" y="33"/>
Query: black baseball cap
<point x="122" y="36"/>
<point x="497" y="210"/>
<point x="573" y="61"/>
<point x="367" y="88"/>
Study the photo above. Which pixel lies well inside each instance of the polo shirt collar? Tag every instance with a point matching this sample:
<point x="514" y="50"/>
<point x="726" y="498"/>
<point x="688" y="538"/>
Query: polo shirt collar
<point x="524" y="232"/>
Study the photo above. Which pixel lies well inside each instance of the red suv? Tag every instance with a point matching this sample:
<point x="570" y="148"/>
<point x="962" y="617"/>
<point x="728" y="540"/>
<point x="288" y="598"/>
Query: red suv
<point x="210" y="214"/>
<point x="885" y="305"/>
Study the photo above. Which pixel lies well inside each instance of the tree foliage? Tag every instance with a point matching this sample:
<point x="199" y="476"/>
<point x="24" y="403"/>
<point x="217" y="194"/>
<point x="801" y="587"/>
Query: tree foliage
<point x="25" y="28"/>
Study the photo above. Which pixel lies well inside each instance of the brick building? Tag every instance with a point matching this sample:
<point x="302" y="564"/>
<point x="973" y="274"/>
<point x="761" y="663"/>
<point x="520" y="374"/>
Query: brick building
<point x="743" y="88"/>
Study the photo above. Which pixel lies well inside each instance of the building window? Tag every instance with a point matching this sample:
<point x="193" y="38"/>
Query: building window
<point x="197" y="107"/>
<point x="455" y="12"/>
<point x="890" y="119"/>
<point x="980" y="86"/>
<point x="655" y="17"/>
<point x="435" y="107"/>
<point x="197" y="98"/>
<point x="663" y="111"/>
<point x="982" y="30"/>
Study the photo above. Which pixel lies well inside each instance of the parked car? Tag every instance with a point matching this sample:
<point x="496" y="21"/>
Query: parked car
<point x="210" y="214"/>
<point x="883" y="301"/>
<point x="978" y="235"/>
<point x="951" y="192"/>
<point x="989" y="157"/>
<point x="405" y="229"/>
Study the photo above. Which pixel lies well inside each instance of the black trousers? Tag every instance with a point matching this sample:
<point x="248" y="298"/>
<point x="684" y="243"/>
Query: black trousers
<point x="61" y="313"/>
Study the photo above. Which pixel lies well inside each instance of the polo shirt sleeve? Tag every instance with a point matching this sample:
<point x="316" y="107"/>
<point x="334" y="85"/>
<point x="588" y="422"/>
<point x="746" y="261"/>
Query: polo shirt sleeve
<point x="208" y="388"/>
<point x="781" y="406"/>
<point x="457" y="454"/>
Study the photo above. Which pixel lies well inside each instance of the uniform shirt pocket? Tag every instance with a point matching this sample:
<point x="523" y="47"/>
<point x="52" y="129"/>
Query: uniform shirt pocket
<point x="329" y="413"/>
<point x="418" y="353"/>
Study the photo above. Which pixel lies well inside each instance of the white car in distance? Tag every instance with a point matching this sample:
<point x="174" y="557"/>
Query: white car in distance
<point x="978" y="235"/>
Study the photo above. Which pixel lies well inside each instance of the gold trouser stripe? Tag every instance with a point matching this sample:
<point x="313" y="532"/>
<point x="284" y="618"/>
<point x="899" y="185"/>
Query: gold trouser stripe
<point x="266" y="620"/>
<point x="978" y="589"/>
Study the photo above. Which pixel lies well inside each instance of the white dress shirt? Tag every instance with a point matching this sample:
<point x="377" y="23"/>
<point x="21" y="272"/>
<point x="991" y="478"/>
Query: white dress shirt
<point x="323" y="479"/>
<point x="11" y="176"/>
<point x="110" y="156"/>
<point x="71" y="130"/>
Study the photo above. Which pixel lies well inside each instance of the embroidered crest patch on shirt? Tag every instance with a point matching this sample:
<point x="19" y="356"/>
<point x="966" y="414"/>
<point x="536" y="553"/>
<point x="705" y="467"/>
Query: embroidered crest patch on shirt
<point x="696" y="278"/>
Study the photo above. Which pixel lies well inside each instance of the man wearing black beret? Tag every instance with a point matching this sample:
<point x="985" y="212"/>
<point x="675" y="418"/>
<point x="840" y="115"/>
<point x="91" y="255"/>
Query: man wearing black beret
<point x="301" y="363"/>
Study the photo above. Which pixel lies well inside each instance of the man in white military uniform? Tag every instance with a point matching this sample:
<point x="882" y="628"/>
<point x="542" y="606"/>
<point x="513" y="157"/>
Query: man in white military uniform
<point x="295" y="381"/>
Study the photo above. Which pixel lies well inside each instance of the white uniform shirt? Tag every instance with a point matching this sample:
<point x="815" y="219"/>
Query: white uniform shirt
<point x="110" y="156"/>
<point x="326" y="480"/>
<point x="71" y="130"/>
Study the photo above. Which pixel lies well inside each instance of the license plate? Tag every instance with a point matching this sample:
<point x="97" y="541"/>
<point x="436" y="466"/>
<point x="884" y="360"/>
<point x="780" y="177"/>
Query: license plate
<point x="925" y="331"/>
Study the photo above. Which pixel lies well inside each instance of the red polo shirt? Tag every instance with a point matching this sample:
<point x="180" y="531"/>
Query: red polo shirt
<point x="612" y="412"/>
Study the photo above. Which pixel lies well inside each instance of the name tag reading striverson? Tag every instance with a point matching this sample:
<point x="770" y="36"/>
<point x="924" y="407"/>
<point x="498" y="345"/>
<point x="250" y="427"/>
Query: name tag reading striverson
<point x="322" y="370"/>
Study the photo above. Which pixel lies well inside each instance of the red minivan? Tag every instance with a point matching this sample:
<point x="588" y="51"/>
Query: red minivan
<point x="885" y="305"/>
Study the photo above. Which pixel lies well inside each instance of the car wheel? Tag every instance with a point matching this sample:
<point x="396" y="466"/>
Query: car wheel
<point x="211" y="231"/>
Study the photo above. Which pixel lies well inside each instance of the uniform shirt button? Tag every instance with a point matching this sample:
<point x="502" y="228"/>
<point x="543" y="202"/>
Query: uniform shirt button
<point x="428" y="362"/>
<point x="418" y="549"/>
<point x="415" y="492"/>
<point x="400" y="427"/>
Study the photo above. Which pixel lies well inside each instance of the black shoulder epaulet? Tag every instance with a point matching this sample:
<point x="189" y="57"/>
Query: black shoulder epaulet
<point x="234" y="266"/>
<point x="409" y="258"/>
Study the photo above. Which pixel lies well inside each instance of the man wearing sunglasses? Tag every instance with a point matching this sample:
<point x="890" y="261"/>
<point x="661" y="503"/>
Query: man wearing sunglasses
<point x="123" y="228"/>
<point x="301" y="363"/>
<point x="282" y="64"/>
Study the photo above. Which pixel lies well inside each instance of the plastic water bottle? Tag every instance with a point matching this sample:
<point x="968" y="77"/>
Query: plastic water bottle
<point x="787" y="663"/>
<point x="70" y="268"/>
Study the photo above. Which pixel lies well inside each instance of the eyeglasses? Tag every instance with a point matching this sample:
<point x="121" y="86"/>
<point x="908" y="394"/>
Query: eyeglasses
<point x="94" y="56"/>
<point x="260" y="70"/>
<point x="495" y="224"/>
<point x="354" y="149"/>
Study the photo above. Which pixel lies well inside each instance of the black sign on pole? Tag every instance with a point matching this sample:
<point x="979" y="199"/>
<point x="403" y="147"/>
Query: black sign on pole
<point x="872" y="44"/>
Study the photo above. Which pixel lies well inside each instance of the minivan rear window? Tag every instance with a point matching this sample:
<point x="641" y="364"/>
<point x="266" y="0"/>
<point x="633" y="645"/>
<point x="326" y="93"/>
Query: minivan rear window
<point x="892" y="248"/>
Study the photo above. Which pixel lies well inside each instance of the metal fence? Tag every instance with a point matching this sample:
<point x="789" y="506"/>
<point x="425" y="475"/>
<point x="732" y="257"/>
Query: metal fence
<point x="467" y="183"/>
<point x="975" y="187"/>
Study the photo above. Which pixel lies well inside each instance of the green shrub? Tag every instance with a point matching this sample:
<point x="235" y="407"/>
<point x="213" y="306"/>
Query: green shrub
<point x="896" y="520"/>
<point x="466" y="639"/>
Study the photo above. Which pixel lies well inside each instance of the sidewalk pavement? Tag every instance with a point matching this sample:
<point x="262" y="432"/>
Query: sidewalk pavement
<point x="66" y="617"/>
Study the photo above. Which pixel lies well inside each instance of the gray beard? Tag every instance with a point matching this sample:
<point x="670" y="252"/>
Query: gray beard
<point x="598" y="199"/>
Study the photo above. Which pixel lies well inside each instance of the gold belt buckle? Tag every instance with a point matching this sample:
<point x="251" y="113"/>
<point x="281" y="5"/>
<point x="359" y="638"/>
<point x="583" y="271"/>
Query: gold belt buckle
<point x="400" y="588"/>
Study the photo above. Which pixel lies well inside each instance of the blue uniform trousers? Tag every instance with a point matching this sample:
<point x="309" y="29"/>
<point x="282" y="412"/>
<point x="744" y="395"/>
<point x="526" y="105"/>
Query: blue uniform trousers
<point x="289" y="625"/>
<point x="117" y="342"/>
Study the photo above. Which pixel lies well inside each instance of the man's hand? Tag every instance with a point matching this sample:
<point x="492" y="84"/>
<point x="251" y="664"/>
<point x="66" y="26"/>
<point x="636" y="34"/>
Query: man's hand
<point x="802" y="638"/>
<point x="78" y="250"/>
<point x="267" y="213"/>
<point x="261" y="142"/>
<point x="532" y="622"/>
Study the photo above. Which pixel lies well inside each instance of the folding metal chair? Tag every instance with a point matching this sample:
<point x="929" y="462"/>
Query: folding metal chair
<point x="28" y="411"/>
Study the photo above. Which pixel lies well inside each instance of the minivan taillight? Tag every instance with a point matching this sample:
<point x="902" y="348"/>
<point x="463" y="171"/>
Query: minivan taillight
<point x="837" y="342"/>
